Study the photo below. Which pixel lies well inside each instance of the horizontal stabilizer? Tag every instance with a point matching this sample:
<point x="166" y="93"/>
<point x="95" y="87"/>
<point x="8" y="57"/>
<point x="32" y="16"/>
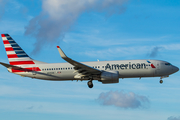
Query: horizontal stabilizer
<point x="10" y="66"/>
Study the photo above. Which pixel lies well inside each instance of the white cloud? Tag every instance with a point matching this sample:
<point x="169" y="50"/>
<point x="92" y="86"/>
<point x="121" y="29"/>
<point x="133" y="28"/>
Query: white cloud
<point x="122" y="51"/>
<point x="173" y="118"/>
<point x="58" y="16"/>
<point x="123" y="100"/>
<point x="171" y="46"/>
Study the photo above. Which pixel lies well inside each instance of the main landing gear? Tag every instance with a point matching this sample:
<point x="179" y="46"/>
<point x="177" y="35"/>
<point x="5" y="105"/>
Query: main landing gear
<point x="161" y="81"/>
<point x="90" y="84"/>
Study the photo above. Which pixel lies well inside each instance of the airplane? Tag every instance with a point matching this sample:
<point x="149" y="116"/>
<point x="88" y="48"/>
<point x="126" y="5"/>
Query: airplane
<point x="106" y="72"/>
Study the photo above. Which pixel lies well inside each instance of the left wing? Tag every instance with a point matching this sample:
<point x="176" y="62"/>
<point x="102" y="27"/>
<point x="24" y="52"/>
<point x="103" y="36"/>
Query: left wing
<point x="82" y="69"/>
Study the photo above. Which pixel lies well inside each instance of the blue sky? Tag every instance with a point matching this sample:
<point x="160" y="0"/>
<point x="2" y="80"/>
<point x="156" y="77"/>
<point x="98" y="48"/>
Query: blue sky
<point x="87" y="31"/>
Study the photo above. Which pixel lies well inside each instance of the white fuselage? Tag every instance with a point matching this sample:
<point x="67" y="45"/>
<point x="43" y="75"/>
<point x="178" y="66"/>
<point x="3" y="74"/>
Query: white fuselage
<point x="126" y="69"/>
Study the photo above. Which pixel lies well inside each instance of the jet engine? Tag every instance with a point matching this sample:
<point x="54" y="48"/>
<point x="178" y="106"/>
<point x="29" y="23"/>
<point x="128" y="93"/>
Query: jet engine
<point x="110" y="77"/>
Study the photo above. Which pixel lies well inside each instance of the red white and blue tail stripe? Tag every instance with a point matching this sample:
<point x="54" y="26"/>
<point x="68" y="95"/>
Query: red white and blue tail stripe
<point x="15" y="53"/>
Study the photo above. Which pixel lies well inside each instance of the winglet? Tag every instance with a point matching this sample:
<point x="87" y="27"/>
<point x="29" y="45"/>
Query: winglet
<point x="61" y="52"/>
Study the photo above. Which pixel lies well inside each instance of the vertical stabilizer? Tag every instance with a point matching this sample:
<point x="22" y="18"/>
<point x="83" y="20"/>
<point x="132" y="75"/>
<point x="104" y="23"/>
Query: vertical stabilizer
<point x="15" y="53"/>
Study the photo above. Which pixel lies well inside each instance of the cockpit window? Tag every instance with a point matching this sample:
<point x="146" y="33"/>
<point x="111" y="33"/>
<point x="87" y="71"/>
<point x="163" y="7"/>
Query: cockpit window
<point x="167" y="63"/>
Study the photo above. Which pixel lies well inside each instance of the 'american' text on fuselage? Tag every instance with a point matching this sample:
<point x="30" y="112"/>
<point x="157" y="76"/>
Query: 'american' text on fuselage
<point x="126" y="66"/>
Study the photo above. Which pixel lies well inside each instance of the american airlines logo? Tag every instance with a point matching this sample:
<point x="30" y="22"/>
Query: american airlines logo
<point x="127" y="66"/>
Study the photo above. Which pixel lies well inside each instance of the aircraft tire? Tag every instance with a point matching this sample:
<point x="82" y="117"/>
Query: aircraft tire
<point x="90" y="84"/>
<point x="161" y="81"/>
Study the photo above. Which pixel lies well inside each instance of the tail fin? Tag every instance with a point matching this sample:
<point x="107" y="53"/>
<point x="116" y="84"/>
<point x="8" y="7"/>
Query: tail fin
<point x="15" y="53"/>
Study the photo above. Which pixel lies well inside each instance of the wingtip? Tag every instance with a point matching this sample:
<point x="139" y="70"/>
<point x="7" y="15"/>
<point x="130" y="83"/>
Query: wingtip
<point x="61" y="52"/>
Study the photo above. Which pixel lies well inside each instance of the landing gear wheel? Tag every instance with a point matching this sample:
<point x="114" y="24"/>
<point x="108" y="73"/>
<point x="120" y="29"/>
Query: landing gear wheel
<point x="90" y="84"/>
<point x="161" y="81"/>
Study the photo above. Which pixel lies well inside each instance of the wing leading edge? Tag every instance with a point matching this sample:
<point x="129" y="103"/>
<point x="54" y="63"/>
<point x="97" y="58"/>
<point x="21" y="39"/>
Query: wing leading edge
<point x="82" y="69"/>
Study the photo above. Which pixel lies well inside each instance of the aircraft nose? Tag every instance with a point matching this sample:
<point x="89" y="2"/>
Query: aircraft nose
<point x="176" y="69"/>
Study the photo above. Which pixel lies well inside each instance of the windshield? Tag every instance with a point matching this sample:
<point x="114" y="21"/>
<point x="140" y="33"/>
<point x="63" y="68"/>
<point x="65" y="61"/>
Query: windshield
<point x="167" y="63"/>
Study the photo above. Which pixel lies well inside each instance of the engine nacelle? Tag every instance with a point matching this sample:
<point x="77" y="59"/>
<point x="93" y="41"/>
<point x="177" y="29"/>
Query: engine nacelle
<point x="110" y="77"/>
